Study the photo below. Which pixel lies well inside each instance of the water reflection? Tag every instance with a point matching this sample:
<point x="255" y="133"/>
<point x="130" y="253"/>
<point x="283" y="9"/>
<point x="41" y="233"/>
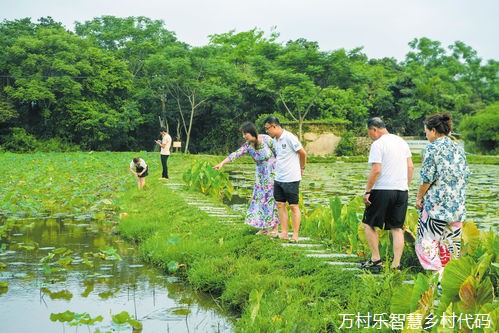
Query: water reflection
<point x="92" y="283"/>
<point x="346" y="180"/>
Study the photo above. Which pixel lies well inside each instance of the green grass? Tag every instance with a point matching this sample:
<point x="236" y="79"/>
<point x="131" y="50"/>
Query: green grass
<point x="269" y="288"/>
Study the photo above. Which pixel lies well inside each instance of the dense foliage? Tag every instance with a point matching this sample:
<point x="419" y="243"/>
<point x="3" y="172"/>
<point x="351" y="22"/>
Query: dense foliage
<point x="109" y="84"/>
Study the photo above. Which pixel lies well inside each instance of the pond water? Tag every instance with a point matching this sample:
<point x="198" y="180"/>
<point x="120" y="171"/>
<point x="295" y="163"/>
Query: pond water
<point x="346" y="180"/>
<point x="94" y="282"/>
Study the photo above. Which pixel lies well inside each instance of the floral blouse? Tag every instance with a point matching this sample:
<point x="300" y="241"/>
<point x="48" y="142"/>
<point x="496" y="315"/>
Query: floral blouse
<point x="264" y="152"/>
<point x="445" y="168"/>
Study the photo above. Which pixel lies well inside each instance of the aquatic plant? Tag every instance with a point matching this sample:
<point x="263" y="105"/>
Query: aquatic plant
<point x="337" y="226"/>
<point x="467" y="288"/>
<point x="202" y="177"/>
<point x="125" y="318"/>
<point x="75" y="319"/>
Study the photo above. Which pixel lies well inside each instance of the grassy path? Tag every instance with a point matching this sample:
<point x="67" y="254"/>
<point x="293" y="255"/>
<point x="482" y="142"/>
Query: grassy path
<point x="269" y="284"/>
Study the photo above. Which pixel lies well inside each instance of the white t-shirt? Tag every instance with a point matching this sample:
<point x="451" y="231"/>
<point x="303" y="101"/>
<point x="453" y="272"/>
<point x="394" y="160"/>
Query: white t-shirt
<point x="142" y="163"/>
<point x="288" y="161"/>
<point x="392" y="152"/>
<point x="166" y="140"/>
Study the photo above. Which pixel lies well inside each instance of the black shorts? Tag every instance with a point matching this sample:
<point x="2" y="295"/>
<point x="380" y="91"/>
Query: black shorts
<point x="139" y="170"/>
<point x="387" y="210"/>
<point x="287" y="192"/>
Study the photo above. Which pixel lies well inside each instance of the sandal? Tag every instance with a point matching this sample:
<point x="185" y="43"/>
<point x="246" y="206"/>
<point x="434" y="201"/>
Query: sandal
<point x="372" y="265"/>
<point x="262" y="232"/>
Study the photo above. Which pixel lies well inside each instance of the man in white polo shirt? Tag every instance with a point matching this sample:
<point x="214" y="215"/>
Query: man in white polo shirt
<point x="290" y="166"/>
<point x="386" y="192"/>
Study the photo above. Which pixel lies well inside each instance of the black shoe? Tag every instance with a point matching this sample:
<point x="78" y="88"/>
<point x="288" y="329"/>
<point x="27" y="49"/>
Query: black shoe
<point x="372" y="266"/>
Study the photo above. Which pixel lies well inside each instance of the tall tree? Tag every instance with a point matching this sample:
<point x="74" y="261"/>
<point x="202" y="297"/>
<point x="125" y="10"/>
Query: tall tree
<point x="130" y="38"/>
<point x="65" y="87"/>
<point x="299" y="76"/>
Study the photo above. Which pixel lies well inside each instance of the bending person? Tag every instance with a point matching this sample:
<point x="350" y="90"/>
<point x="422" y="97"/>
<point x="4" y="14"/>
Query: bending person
<point x="140" y="169"/>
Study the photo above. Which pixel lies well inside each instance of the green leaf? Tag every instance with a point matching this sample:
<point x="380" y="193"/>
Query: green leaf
<point x="399" y="303"/>
<point x="124" y="318"/>
<point x="474" y="294"/>
<point x="181" y="311"/>
<point x="455" y="273"/>
<point x="65" y="316"/>
<point x="173" y="240"/>
<point x="421" y="285"/>
<point x="121" y="318"/>
<point x="172" y="266"/>
<point x="255" y="298"/>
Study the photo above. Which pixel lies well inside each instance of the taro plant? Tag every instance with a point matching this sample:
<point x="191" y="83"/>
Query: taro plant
<point x="202" y="177"/>
<point x="337" y="226"/>
<point x="467" y="298"/>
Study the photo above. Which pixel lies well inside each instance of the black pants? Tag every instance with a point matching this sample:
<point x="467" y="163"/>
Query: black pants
<point x="164" y="163"/>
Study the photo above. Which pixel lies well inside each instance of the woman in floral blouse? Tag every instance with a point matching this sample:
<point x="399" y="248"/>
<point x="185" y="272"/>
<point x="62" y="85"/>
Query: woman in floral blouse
<point x="441" y="196"/>
<point x="262" y="211"/>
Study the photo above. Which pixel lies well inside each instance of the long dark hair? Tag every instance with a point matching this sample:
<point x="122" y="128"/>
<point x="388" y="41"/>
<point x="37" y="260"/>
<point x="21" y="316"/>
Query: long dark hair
<point x="442" y="123"/>
<point x="249" y="127"/>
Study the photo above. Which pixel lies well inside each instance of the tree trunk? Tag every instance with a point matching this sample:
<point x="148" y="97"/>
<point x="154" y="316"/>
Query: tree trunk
<point x="300" y="129"/>
<point x="193" y="109"/>
<point x="163" y="112"/>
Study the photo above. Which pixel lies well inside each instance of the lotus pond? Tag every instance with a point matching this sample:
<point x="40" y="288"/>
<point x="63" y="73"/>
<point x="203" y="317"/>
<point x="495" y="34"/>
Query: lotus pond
<point x="346" y="180"/>
<point x="62" y="267"/>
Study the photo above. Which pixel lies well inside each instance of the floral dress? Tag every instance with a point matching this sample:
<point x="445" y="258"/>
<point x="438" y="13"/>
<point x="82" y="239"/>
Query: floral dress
<point x="439" y="225"/>
<point x="262" y="211"/>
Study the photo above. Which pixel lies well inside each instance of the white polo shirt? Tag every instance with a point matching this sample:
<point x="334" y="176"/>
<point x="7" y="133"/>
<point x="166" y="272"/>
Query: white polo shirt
<point x="392" y="152"/>
<point x="288" y="161"/>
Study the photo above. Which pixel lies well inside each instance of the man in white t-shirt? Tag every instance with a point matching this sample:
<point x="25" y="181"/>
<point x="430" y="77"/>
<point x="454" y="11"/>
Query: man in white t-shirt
<point x="386" y="192"/>
<point x="165" y="144"/>
<point x="290" y="166"/>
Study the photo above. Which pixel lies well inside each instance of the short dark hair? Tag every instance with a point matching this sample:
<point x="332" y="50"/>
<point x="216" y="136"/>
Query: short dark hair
<point x="441" y="122"/>
<point x="163" y="129"/>
<point x="272" y="120"/>
<point x="375" y="122"/>
<point x="136" y="159"/>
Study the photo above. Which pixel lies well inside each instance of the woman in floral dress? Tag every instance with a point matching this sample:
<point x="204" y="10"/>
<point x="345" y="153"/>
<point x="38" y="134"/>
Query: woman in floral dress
<point x="441" y="196"/>
<point x="262" y="211"/>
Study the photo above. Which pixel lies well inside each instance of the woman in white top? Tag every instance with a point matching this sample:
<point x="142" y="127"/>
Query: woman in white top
<point x="165" y="145"/>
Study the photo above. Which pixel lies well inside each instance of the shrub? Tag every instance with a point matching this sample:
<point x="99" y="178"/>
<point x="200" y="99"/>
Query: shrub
<point x="19" y="141"/>
<point x="480" y="131"/>
<point x="57" y="145"/>
<point x="350" y="145"/>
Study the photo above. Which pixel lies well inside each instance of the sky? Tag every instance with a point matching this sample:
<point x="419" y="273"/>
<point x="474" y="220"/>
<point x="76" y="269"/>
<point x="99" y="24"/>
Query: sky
<point x="382" y="27"/>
